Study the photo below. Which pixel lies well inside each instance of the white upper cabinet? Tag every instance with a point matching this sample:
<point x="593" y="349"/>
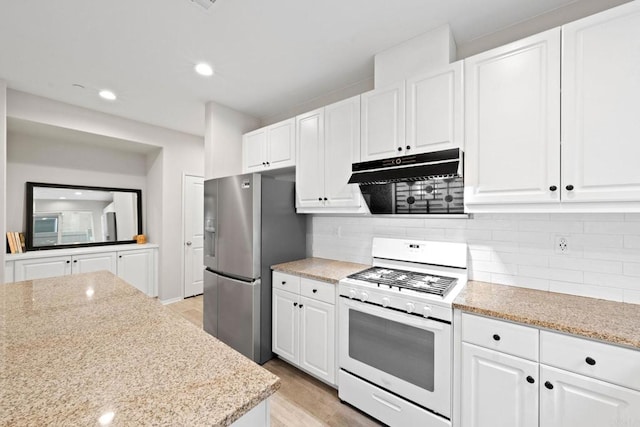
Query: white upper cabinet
<point x="435" y="110"/>
<point x="512" y="117"/>
<point x="424" y="113"/>
<point x="271" y="147"/>
<point x="328" y="142"/>
<point x="601" y="107"/>
<point x="383" y="122"/>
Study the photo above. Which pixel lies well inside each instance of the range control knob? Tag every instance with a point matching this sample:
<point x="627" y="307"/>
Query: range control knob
<point x="385" y="302"/>
<point x="410" y="307"/>
<point x="352" y="294"/>
<point x="426" y="312"/>
<point x="364" y="296"/>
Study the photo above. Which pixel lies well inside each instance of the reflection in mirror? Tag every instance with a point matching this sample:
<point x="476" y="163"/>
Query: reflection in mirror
<point x="64" y="216"/>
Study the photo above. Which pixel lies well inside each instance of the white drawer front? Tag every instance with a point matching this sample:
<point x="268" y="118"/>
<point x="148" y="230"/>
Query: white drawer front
<point x="287" y="282"/>
<point x="321" y="291"/>
<point x="606" y="362"/>
<point x="518" y="340"/>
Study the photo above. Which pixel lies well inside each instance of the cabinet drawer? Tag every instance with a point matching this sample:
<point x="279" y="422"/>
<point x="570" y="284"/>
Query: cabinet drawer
<point x="498" y="335"/>
<point x="318" y="290"/>
<point x="606" y="362"/>
<point x="288" y="282"/>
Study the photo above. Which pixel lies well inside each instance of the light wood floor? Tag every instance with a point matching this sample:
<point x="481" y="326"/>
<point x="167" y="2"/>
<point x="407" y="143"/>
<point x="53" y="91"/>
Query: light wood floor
<point x="302" y="400"/>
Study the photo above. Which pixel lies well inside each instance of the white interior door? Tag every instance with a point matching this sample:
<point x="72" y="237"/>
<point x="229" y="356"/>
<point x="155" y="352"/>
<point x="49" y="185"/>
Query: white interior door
<point x="193" y="208"/>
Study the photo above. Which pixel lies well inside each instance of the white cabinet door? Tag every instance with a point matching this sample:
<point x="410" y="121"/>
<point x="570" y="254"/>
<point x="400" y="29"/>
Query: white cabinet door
<point x="498" y="390"/>
<point x="254" y="151"/>
<point x="40" y="268"/>
<point x="572" y="400"/>
<point x="435" y="110"/>
<point x="281" y="151"/>
<point x="512" y="116"/>
<point x="601" y="106"/>
<point x="310" y="162"/>
<point x="317" y="338"/>
<point x="8" y="271"/>
<point x="383" y="122"/>
<point x="341" y="149"/>
<point x="137" y="269"/>
<point x="88" y="263"/>
<point x="285" y="325"/>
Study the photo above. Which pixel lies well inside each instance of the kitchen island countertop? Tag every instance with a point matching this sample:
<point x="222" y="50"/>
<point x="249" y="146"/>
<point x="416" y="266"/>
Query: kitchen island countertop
<point x="90" y="349"/>
<point x="609" y="321"/>
<point x="327" y="270"/>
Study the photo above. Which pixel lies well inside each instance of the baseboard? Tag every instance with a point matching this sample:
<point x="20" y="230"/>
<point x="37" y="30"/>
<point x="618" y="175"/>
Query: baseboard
<point x="170" y="301"/>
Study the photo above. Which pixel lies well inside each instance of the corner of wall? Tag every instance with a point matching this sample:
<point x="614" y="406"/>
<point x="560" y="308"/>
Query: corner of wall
<point x="3" y="171"/>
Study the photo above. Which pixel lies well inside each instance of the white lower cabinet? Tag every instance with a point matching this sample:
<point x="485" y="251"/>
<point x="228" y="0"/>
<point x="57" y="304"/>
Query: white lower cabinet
<point x="576" y="383"/>
<point x="303" y="326"/>
<point x="135" y="266"/>
<point x="572" y="400"/>
<point x="499" y="390"/>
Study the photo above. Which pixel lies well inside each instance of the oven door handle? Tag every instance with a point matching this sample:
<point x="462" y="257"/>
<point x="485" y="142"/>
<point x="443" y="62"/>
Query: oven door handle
<point x="397" y="316"/>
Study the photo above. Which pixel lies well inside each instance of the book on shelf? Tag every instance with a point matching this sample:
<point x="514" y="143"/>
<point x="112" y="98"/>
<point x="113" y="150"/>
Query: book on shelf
<point x="23" y="242"/>
<point x="15" y="242"/>
<point x="12" y="242"/>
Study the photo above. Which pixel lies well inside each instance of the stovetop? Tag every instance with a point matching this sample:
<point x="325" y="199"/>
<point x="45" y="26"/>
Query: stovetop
<point x="402" y="279"/>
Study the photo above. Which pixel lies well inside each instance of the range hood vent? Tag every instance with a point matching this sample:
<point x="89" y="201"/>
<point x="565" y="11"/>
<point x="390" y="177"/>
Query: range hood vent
<point x="420" y="167"/>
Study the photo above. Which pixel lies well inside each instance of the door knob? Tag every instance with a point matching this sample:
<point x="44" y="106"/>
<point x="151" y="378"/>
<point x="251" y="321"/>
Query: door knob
<point x="189" y="243"/>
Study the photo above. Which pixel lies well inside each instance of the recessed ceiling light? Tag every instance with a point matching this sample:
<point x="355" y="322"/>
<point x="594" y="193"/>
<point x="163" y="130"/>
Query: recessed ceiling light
<point x="61" y="197"/>
<point x="78" y="193"/>
<point x="204" y="3"/>
<point x="204" y="69"/>
<point x="107" y="94"/>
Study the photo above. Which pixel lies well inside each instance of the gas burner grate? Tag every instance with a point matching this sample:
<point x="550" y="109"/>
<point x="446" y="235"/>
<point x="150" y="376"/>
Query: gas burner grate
<point x="401" y="279"/>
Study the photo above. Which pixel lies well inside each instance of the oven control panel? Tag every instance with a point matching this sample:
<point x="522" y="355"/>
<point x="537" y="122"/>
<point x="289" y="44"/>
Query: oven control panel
<point x="408" y="303"/>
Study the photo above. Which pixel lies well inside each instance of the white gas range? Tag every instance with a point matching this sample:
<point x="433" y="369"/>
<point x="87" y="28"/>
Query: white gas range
<point x="395" y="335"/>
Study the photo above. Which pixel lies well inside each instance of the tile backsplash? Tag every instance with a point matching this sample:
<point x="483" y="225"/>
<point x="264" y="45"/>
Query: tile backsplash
<point x="602" y="259"/>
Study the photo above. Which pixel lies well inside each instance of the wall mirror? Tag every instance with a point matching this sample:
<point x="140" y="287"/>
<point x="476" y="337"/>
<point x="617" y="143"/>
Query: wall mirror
<point x="64" y="216"/>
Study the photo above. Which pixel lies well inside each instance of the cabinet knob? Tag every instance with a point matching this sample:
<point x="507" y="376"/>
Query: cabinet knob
<point x="314" y="291"/>
<point x="408" y="147"/>
<point x="300" y="305"/>
<point x="119" y="256"/>
<point x="75" y="260"/>
<point x="268" y="163"/>
<point x="399" y="148"/>
<point x="325" y="199"/>
<point x="553" y="188"/>
<point x="548" y="385"/>
<point x="295" y="304"/>
<point x="496" y="337"/>
<point x="68" y="262"/>
<point x="530" y="379"/>
<point x="319" y="199"/>
<point x="284" y="283"/>
<point x="569" y="187"/>
<point x="264" y="163"/>
<point x="590" y="361"/>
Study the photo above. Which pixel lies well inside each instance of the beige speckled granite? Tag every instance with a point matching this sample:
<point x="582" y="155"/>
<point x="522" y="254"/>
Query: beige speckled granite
<point x="327" y="270"/>
<point x="610" y="321"/>
<point x="76" y="347"/>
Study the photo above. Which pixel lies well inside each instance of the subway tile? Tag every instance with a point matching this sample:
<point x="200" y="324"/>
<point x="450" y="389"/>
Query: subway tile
<point x="495" y="267"/>
<point x="632" y="269"/>
<point x="445" y="223"/>
<point x="551" y="226"/>
<point x="397" y="232"/>
<point x="631" y="296"/>
<point x="618" y="227"/>
<point x="632" y="217"/>
<point x="582" y="264"/>
<point x="580" y="289"/>
<point x="568" y="216"/>
<point x="614" y="254"/>
<point x="520" y="259"/>
<point x="519" y="281"/>
<point x="611" y="280"/>
<point x="492" y="224"/>
<point x="480" y="276"/>
<point x="632" y="242"/>
<point x="551" y="273"/>
<point x="595" y="241"/>
<point x="479" y="255"/>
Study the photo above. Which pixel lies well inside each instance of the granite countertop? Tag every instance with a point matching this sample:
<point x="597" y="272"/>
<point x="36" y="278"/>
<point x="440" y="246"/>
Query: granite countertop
<point x="77" y="348"/>
<point x="610" y="321"/>
<point x="327" y="270"/>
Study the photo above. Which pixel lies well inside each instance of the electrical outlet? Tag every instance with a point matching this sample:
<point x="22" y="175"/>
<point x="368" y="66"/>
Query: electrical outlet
<point x="562" y="245"/>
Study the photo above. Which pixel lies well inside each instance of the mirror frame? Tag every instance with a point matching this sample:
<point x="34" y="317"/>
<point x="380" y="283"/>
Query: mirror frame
<point x="29" y="215"/>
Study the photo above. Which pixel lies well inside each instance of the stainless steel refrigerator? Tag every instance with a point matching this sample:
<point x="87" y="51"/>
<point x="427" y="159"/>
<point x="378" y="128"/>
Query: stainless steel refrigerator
<point x="249" y="224"/>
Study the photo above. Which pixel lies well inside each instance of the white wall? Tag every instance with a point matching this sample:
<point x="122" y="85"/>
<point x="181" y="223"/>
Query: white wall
<point x="35" y="159"/>
<point x="224" y="128"/>
<point x="3" y="162"/>
<point x="174" y="153"/>
<point x="603" y="260"/>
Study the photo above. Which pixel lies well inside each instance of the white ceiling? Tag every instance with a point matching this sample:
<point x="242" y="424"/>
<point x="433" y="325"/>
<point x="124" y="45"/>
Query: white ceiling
<point x="269" y="55"/>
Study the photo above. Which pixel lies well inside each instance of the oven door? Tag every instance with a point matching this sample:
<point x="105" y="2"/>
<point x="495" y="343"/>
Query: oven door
<point x="405" y="354"/>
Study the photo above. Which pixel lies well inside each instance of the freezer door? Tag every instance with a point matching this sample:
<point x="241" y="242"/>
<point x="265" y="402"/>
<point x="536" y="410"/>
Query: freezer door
<point x="239" y="315"/>
<point x="238" y="226"/>
<point x="210" y="303"/>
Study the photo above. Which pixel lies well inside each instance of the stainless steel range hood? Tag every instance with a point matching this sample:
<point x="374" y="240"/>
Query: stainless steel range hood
<point x="429" y="183"/>
<point x="419" y="167"/>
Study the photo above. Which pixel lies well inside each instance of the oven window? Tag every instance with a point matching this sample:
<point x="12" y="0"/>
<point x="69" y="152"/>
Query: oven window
<point x="404" y="351"/>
